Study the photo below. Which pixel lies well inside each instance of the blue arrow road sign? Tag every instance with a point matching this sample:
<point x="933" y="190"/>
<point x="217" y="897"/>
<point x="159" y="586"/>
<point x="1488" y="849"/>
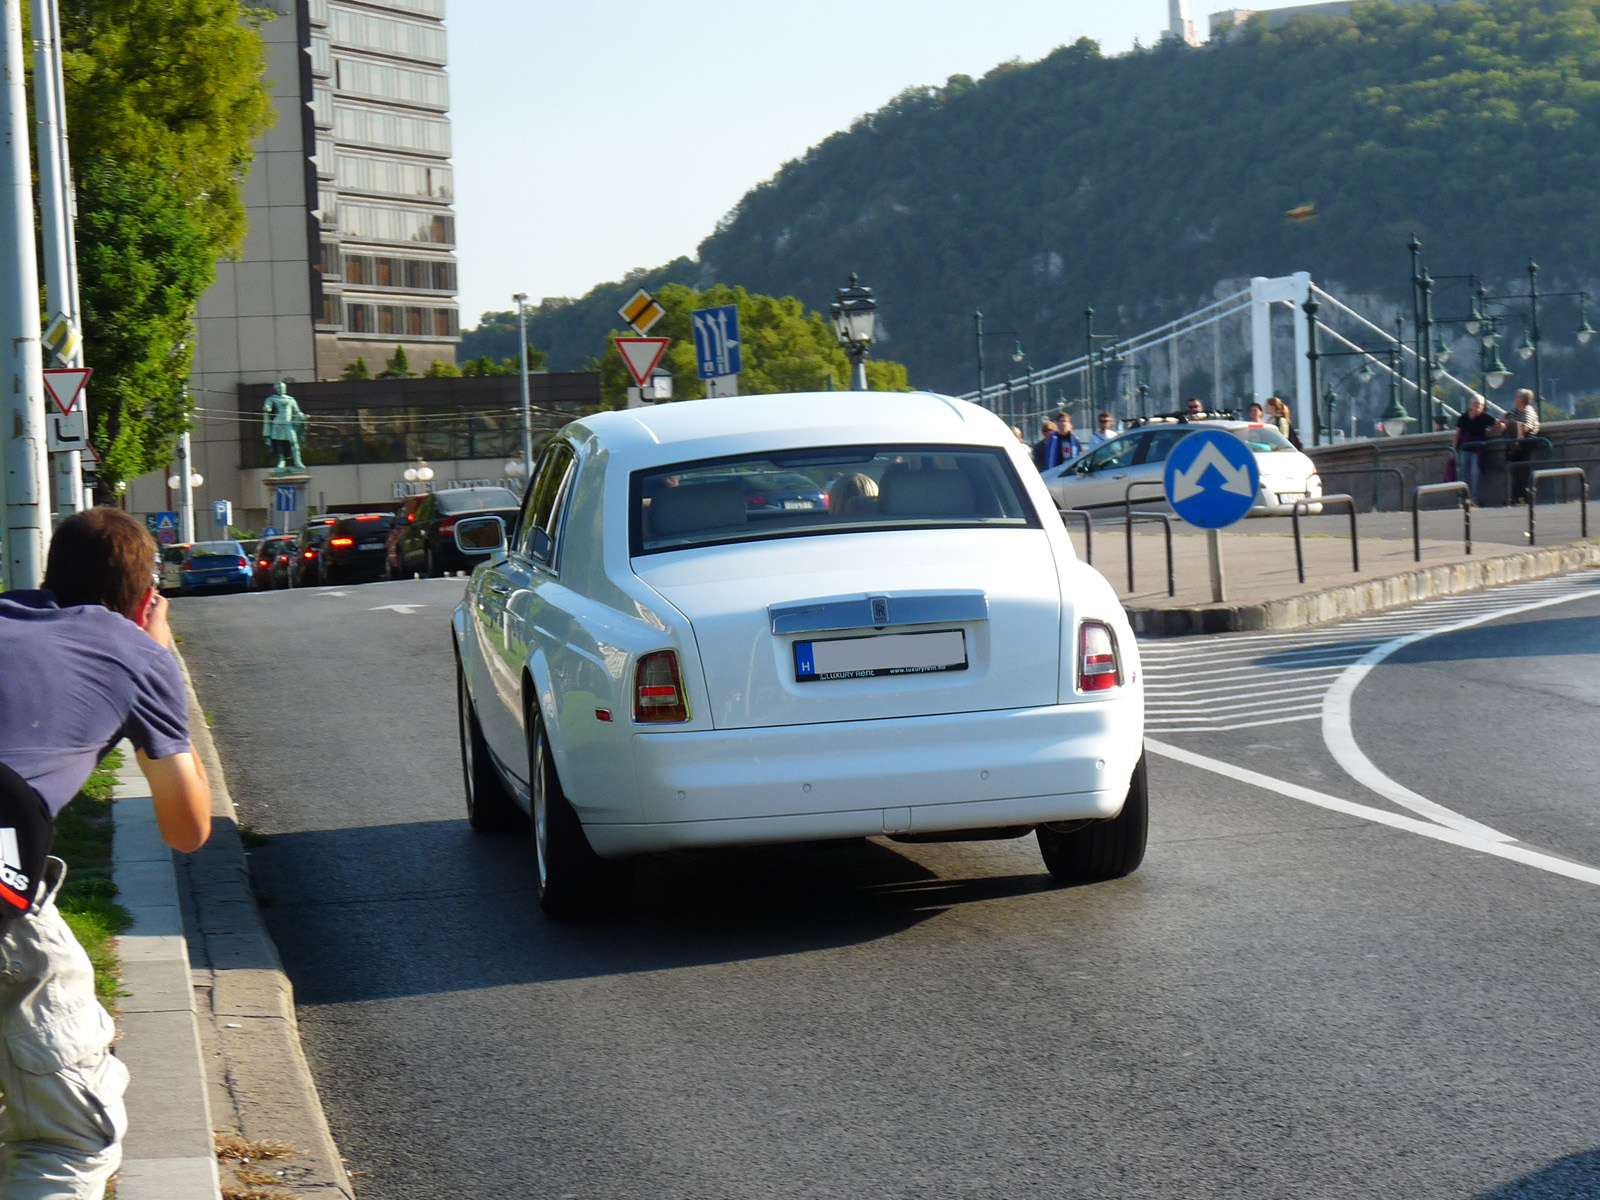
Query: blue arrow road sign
<point x="271" y="531"/>
<point x="1211" y="479"/>
<point x="287" y="499"/>
<point x="716" y="341"/>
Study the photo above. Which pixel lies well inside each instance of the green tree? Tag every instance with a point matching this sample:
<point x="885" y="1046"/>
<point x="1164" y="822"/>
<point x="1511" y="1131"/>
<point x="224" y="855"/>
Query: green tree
<point x="142" y="266"/>
<point x="398" y="367"/>
<point x="784" y="348"/>
<point x="356" y="370"/>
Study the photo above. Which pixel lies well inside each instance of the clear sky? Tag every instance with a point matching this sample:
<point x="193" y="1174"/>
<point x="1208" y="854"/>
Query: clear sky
<point x="593" y="137"/>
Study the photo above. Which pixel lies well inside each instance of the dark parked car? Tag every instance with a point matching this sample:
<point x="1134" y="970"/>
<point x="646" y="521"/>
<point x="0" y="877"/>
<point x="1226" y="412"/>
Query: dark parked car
<point x="773" y="493"/>
<point x="267" y="555"/>
<point x="356" y="547"/>
<point x="423" y="537"/>
<point x="305" y="569"/>
<point x="215" y="566"/>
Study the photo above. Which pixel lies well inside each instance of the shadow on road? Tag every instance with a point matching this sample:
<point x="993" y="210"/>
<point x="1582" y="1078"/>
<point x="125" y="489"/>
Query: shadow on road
<point x="1576" y="1177"/>
<point x="413" y="909"/>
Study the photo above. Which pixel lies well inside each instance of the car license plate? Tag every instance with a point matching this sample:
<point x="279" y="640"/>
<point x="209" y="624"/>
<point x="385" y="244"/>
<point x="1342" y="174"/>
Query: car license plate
<point x="882" y="654"/>
<point x="370" y="546"/>
<point x="789" y="505"/>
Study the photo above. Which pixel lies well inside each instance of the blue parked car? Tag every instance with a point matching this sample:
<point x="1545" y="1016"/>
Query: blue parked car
<point x="214" y="566"/>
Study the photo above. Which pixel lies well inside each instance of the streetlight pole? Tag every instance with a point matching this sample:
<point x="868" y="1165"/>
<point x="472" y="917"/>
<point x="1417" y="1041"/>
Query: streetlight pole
<point x="1313" y="357"/>
<point x="1425" y="350"/>
<point x="1533" y="334"/>
<point x="855" y="318"/>
<point x="22" y="411"/>
<point x="1088" y="356"/>
<point x="527" y="409"/>
<point x="977" y="321"/>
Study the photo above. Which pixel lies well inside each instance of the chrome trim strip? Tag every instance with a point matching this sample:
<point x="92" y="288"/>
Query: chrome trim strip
<point x="830" y="613"/>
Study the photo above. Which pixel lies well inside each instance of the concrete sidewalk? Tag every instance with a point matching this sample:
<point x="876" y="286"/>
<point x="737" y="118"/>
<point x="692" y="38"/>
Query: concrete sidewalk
<point x="1263" y="590"/>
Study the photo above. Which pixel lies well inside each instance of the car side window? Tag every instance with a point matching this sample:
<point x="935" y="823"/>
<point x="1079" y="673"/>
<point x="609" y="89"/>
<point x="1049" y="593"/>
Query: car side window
<point x="1117" y="453"/>
<point x="537" y="538"/>
<point x="1159" y="444"/>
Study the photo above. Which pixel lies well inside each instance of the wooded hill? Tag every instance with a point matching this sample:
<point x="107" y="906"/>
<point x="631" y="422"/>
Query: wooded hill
<point x="1139" y="183"/>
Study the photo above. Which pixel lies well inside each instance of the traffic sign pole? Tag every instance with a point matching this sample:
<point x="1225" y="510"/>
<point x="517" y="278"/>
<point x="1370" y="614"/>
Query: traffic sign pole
<point x="1212" y="480"/>
<point x="1214" y="552"/>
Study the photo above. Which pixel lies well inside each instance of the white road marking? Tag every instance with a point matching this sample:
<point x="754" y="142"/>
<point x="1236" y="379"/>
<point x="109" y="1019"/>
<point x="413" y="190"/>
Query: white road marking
<point x="1340" y="737"/>
<point x="405" y="610"/>
<point x="1511" y="851"/>
<point x="333" y="593"/>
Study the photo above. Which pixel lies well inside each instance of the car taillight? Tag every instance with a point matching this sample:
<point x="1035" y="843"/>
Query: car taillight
<point x="658" y="689"/>
<point x="756" y="501"/>
<point x="448" y="525"/>
<point x="1098" y="668"/>
<point x="342" y="542"/>
<point x="311" y="553"/>
<point x="244" y="562"/>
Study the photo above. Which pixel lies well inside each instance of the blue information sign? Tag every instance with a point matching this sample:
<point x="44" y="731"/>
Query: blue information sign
<point x="271" y="531"/>
<point x="716" y="341"/>
<point x="287" y="499"/>
<point x="1211" y="479"/>
<point x="165" y="526"/>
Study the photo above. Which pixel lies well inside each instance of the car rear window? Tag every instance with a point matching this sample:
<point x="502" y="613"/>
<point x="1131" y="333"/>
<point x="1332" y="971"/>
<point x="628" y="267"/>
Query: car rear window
<point x="365" y="526"/>
<point x="841" y="489"/>
<point x="477" y="500"/>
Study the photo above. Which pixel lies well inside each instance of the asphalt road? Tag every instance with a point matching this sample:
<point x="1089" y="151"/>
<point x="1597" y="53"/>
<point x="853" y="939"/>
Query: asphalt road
<point x="1289" y="1000"/>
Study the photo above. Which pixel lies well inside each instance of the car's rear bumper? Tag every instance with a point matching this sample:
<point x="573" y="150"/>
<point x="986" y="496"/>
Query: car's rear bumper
<point x="865" y="778"/>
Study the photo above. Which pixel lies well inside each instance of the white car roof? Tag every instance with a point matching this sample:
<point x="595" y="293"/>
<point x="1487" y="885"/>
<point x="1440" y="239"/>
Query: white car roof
<point x="738" y="424"/>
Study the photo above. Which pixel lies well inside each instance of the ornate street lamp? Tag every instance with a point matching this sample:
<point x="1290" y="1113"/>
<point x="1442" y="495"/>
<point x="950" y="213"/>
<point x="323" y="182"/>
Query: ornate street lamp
<point x="855" y="320"/>
<point x="175" y="481"/>
<point x="421" y="473"/>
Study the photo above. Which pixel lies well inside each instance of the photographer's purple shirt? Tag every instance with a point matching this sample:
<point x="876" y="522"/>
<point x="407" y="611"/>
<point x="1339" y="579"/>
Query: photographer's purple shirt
<point x="74" y="682"/>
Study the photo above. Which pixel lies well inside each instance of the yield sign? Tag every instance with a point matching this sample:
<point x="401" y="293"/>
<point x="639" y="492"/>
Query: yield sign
<point x="65" y="385"/>
<point x="641" y="355"/>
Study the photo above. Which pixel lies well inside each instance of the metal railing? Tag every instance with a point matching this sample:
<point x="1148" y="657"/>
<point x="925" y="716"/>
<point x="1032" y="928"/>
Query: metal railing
<point x="1088" y="530"/>
<point x="1577" y="473"/>
<point x="1127" y="493"/>
<point x="1377" y="473"/>
<point x="1434" y="489"/>
<point x="1294" y="516"/>
<point x="1166" y="525"/>
<point x="1512" y="466"/>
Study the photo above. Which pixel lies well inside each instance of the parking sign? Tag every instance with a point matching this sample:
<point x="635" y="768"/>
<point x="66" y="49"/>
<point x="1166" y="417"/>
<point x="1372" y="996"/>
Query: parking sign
<point x="716" y="341"/>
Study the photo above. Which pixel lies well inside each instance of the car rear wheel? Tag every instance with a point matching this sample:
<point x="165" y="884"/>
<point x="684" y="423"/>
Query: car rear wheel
<point x="1104" y="849"/>
<point x="432" y="571"/>
<point x="490" y="808"/>
<point x="573" y="881"/>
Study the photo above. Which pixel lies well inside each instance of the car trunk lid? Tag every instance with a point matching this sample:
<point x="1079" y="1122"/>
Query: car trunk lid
<point x="888" y="624"/>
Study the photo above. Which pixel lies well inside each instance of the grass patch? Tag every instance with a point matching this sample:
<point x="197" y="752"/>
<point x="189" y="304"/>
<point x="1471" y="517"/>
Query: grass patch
<point x="88" y="898"/>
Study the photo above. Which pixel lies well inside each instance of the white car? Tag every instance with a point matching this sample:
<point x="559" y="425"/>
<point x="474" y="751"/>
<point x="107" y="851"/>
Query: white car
<point x="677" y="646"/>
<point x="1100" y="478"/>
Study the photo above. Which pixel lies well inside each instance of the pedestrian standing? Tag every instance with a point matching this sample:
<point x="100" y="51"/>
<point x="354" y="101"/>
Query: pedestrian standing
<point x="87" y="660"/>
<point x="1278" y="418"/>
<point x="1255" y="414"/>
<point x="1067" y="443"/>
<point x="1047" y="446"/>
<point x="1473" y="427"/>
<point x="1192" y="407"/>
<point x="1107" y="431"/>
<point x="1520" y="424"/>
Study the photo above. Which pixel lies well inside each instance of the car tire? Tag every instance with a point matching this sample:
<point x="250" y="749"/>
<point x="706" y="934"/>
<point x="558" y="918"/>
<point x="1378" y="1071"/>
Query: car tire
<point x="572" y="880"/>
<point x="432" y="567"/>
<point x="490" y="808"/>
<point x="1101" y="849"/>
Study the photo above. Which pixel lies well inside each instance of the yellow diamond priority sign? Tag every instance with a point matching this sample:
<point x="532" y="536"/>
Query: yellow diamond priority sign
<point x="641" y="312"/>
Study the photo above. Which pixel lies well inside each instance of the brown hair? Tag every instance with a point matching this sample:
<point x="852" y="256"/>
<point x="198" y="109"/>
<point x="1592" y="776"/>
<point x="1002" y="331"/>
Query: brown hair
<point x="102" y="556"/>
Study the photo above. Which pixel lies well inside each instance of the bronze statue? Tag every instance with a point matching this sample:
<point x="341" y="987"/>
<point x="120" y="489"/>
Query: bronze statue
<point x="283" y="427"/>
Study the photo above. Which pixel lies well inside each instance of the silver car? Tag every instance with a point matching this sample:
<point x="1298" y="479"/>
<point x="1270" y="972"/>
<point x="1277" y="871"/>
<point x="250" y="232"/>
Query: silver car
<point x="1101" y="478"/>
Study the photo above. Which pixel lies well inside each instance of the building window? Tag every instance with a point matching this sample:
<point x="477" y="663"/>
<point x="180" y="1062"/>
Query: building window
<point x="332" y="310"/>
<point x="324" y="158"/>
<point x="387" y="35"/>
<point x="372" y="127"/>
<point x="319" y="12"/>
<point x="328" y="262"/>
<point x="321" y="55"/>
<point x="358" y="318"/>
<point x="416" y="274"/>
<point x="428" y="8"/>
<point x="369" y="222"/>
<point x="327" y="205"/>
<point x="359" y="173"/>
<point x="427" y="88"/>
<point x="322" y="107"/>
<point x="445" y="322"/>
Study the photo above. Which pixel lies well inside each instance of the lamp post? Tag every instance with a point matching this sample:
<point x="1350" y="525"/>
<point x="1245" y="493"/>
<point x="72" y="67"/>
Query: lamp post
<point x="184" y="480"/>
<point x="1090" y="342"/>
<point x="421" y="473"/>
<point x="527" y="411"/>
<point x="977" y="322"/>
<point x="1394" y="418"/>
<point x="855" y="319"/>
<point x="1017" y="355"/>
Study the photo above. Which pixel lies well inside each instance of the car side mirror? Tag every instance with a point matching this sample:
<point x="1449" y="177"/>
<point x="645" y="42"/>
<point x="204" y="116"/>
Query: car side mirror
<point x="480" y="535"/>
<point x="1081" y="469"/>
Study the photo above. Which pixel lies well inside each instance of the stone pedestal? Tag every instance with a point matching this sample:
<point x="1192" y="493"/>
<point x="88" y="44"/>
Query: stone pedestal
<point x="286" y="486"/>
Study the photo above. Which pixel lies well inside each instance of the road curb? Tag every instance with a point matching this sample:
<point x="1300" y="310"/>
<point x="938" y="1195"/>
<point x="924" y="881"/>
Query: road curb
<point x="260" y="1083"/>
<point x="1368" y="596"/>
<point x="167" y="1153"/>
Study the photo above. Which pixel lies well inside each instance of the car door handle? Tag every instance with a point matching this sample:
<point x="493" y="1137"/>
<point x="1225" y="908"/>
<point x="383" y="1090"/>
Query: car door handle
<point x="500" y="589"/>
<point x="1120" y="475"/>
